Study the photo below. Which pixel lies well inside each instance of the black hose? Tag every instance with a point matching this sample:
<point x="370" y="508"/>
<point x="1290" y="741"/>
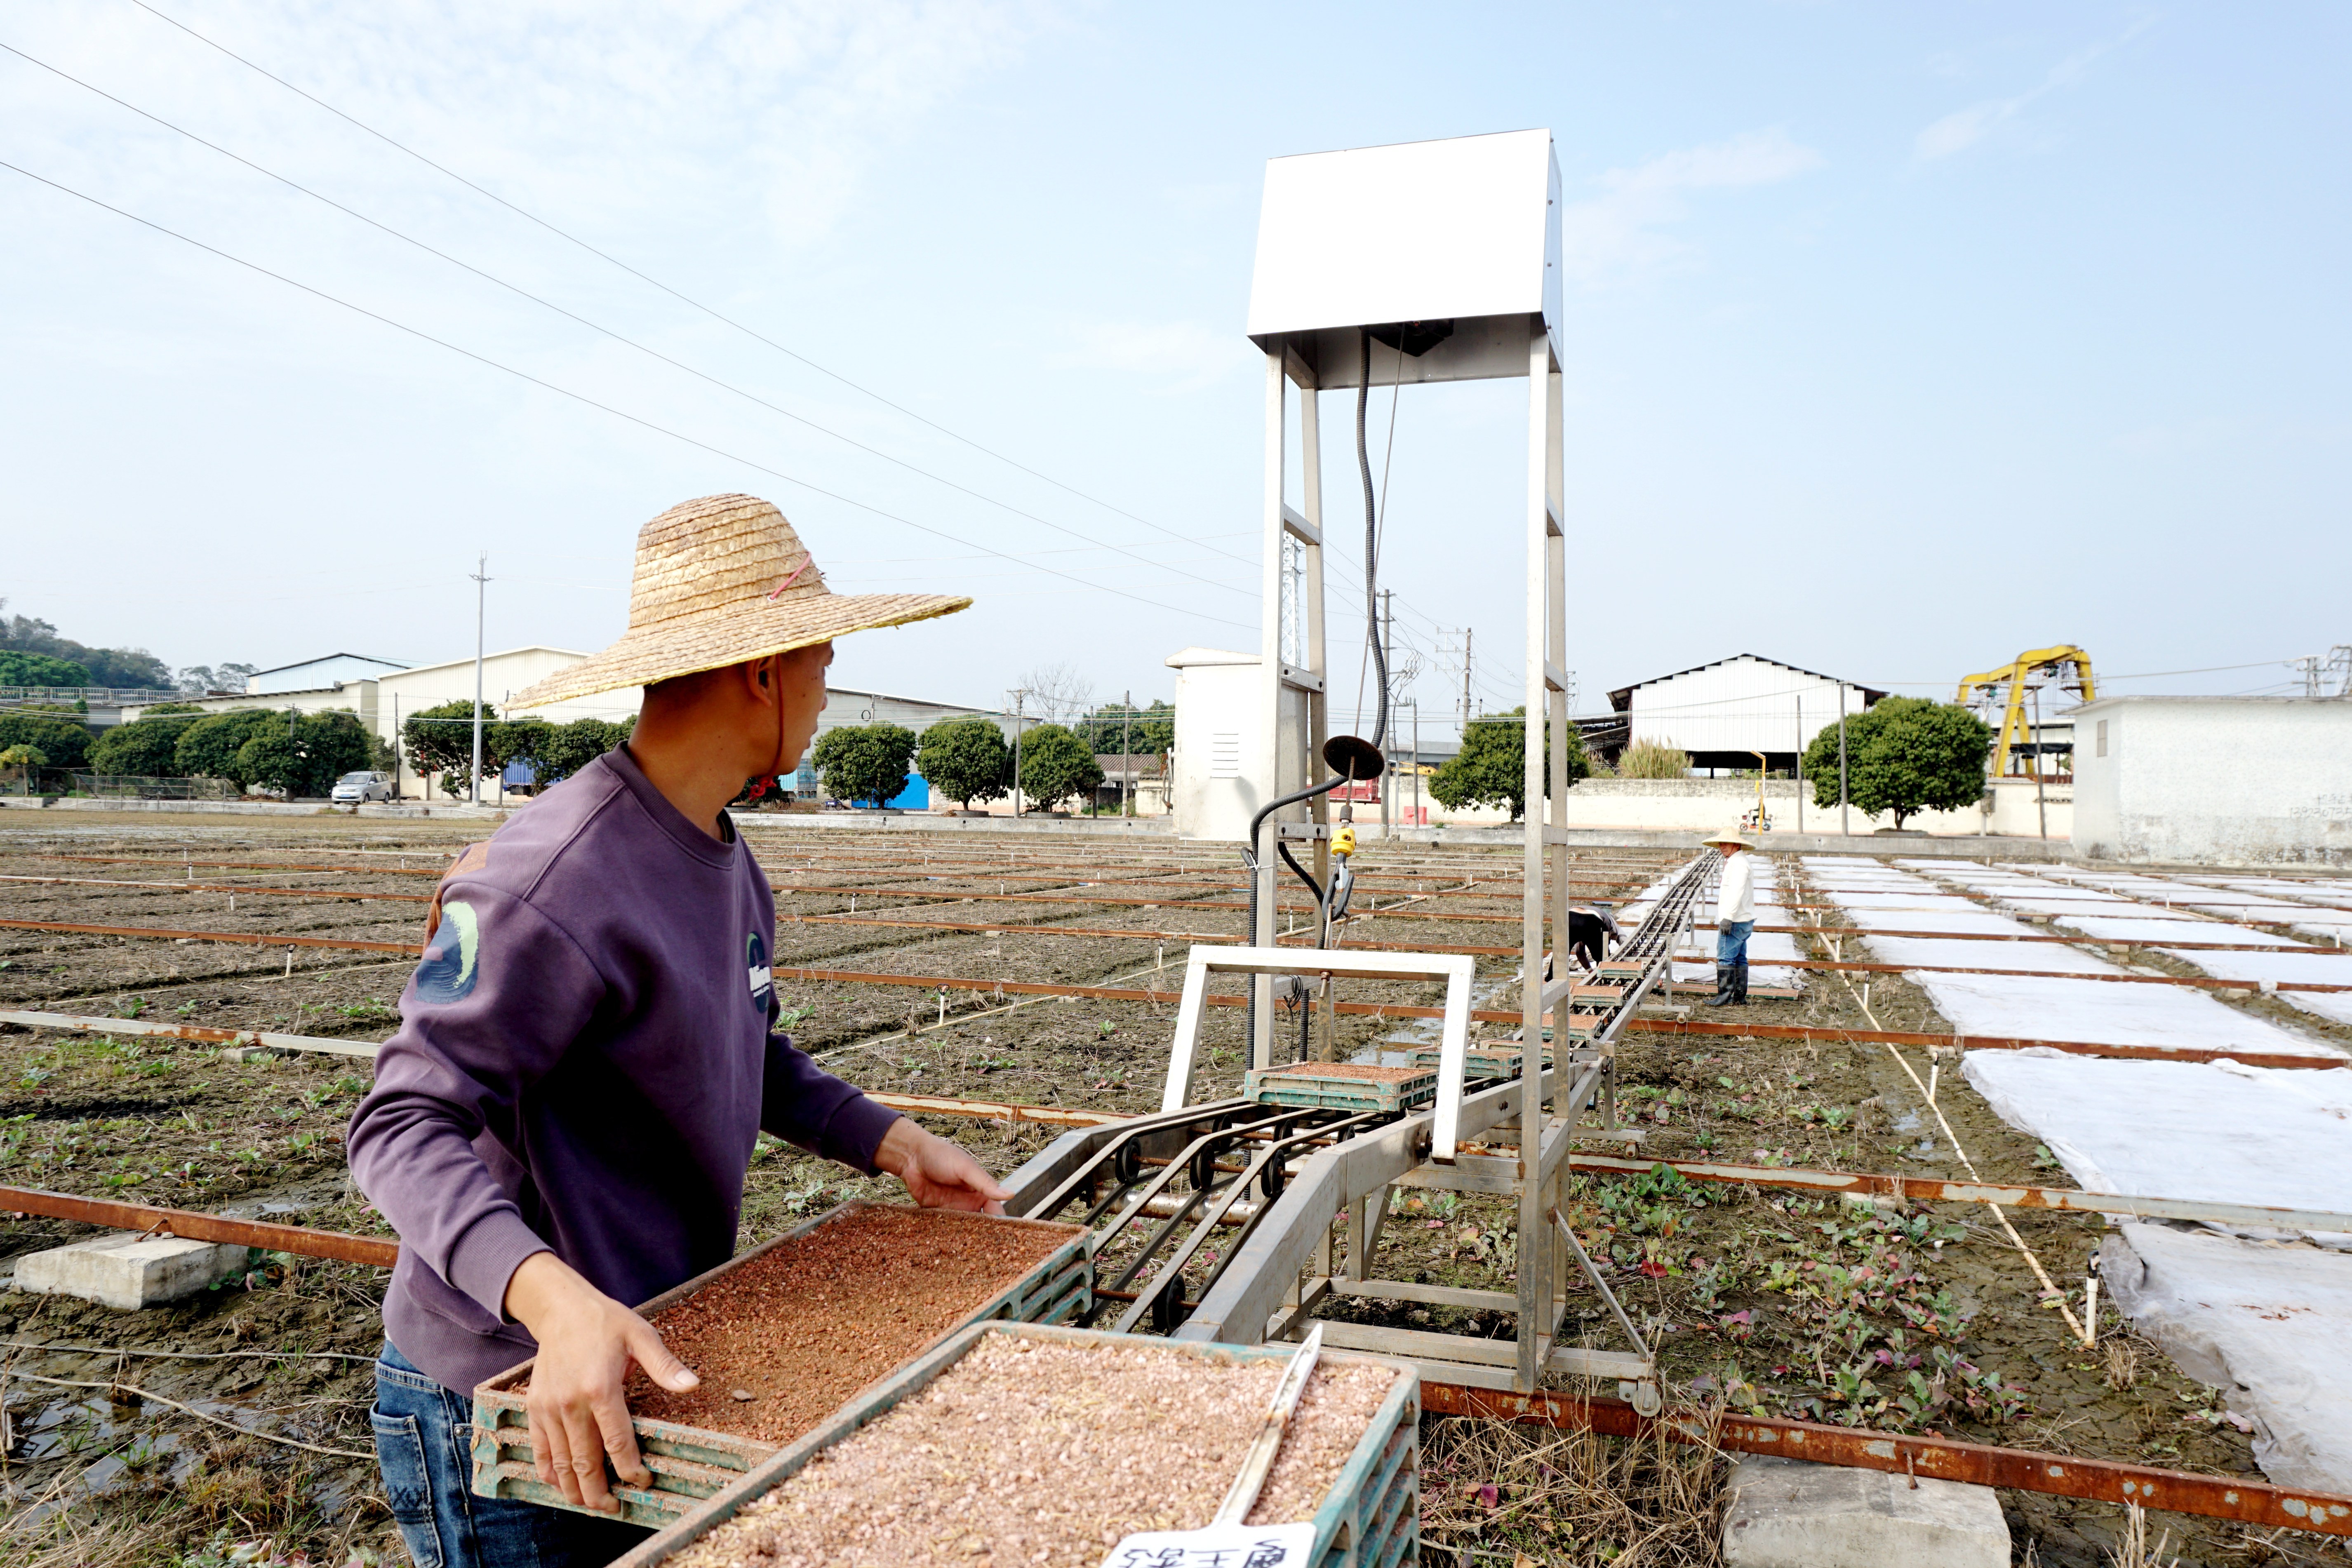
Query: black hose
<point x="1372" y="552"/>
<point x="1249" y="857"/>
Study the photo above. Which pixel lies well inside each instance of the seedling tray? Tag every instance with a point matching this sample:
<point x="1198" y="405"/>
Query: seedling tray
<point x="1342" y="1086"/>
<point x="1370" y="1517"/>
<point x="689" y="1463"/>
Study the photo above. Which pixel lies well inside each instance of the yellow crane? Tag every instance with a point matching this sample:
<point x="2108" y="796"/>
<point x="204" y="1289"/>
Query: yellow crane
<point x="2068" y="668"/>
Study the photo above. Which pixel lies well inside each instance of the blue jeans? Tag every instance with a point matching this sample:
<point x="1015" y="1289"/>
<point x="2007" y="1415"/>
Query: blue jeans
<point x="424" y="1434"/>
<point x="1731" y="941"/>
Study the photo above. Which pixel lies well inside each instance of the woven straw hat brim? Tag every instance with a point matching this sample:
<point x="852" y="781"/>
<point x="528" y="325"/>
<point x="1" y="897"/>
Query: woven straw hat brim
<point x="1730" y="838"/>
<point x="673" y="648"/>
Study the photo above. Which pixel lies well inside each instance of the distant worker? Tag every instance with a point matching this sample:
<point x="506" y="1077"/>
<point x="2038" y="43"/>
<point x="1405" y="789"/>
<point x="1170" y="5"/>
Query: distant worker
<point x="1734" y="917"/>
<point x="588" y="1053"/>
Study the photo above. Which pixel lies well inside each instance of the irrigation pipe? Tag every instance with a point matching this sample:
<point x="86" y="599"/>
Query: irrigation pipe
<point x="187" y="1355"/>
<point x="2051" y="1291"/>
<point x="137" y="1392"/>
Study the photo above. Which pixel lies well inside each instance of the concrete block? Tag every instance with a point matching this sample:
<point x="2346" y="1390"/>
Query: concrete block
<point x="1786" y="1514"/>
<point x="129" y="1270"/>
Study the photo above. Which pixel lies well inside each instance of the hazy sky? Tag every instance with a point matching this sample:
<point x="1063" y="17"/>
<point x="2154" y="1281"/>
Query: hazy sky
<point x="1900" y="338"/>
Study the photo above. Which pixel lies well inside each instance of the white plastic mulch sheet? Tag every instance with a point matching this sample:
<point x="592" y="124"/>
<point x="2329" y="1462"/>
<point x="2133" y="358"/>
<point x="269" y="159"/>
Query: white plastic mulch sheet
<point x="2154" y="926"/>
<point x="2265" y="1324"/>
<point x="2051" y="1003"/>
<point x="2219" y="1132"/>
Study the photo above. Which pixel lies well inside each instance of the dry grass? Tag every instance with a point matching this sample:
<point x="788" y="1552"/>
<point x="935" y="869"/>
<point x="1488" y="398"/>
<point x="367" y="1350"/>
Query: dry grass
<point x="2122" y="1363"/>
<point x="1653" y="760"/>
<point x="1490" y="1489"/>
<point x="2132" y="1550"/>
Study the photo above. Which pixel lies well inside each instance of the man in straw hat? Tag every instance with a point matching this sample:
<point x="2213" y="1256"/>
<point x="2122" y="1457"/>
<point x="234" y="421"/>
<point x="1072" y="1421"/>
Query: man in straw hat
<point x="1734" y="917"/>
<point x="586" y="1055"/>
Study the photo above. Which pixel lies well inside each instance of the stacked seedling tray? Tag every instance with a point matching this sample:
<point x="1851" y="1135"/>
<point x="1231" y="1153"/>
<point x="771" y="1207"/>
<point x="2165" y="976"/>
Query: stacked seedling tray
<point x="1342" y="1086"/>
<point x="784" y="1333"/>
<point x="1098" y="1434"/>
<point x="1492" y="1060"/>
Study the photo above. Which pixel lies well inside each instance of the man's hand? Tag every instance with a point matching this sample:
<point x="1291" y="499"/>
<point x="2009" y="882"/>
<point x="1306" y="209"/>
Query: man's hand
<point x="579" y="1414"/>
<point x="938" y="1175"/>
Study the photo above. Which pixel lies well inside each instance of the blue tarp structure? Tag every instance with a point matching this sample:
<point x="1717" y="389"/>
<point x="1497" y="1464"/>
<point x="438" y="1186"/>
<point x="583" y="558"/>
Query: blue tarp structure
<point x="916" y="797"/>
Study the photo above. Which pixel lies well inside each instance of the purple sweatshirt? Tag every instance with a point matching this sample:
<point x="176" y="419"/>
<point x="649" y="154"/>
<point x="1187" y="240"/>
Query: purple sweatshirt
<point x="582" y="1066"/>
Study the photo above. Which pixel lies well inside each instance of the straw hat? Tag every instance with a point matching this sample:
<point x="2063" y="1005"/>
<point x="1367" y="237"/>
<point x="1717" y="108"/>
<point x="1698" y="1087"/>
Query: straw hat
<point x="718" y="581"/>
<point x="1730" y="838"/>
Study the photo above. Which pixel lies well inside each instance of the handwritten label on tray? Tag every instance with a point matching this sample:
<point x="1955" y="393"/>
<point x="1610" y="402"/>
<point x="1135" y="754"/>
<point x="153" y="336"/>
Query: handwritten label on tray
<point x="1219" y="1546"/>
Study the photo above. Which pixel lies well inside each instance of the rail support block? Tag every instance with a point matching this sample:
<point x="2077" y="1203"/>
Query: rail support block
<point x="1787" y="1513"/>
<point x="128" y="1270"/>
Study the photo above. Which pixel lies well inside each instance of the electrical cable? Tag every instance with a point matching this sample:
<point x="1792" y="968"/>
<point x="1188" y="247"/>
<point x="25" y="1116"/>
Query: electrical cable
<point x="584" y="398"/>
<point x="1371" y="546"/>
<point x="622" y="338"/>
<point x="683" y="299"/>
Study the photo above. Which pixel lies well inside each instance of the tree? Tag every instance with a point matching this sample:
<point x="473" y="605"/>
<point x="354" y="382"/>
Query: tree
<point x="147" y="747"/>
<point x="1112" y="731"/>
<point x="128" y="666"/>
<point x="965" y="760"/>
<point x="866" y="762"/>
<point x="564" y="749"/>
<point x="1491" y="769"/>
<point x="302" y="755"/>
<point x="440" y="739"/>
<point x="209" y="747"/>
<point x="1904" y="754"/>
<point x="40" y="670"/>
<point x="198" y="679"/>
<point x="19" y="762"/>
<point x="65" y="743"/>
<point x="1056" y="692"/>
<point x="1056" y="765"/>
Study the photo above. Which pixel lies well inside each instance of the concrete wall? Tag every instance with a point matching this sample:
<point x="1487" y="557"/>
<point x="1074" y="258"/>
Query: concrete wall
<point x="2223" y="781"/>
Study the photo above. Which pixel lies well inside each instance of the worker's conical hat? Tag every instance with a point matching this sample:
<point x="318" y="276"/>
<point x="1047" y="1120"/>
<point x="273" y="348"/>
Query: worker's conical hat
<point x="718" y="581"/>
<point x="1730" y="838"/>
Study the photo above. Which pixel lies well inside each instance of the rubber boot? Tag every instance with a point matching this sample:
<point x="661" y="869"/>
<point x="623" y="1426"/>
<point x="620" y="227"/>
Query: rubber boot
<point x="1723" y="983"/>
<point x="1740" y="984"/>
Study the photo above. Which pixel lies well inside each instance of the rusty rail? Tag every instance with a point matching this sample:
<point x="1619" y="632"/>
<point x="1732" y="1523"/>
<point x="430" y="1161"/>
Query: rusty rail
<point x="245" y="938"/>
<point x="339" y="1245"/>
<point x="1942" y="1459"/>
<point x="218" y="888"/>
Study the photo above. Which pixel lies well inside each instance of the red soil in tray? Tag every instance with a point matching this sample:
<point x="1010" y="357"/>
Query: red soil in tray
<point x="812" y="1320"/>
<point x="1352" y="1069"/>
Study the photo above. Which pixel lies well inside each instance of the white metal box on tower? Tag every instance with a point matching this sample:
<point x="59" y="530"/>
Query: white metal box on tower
<point x="1455" y="237"/>
<point x="1221" y="763"/>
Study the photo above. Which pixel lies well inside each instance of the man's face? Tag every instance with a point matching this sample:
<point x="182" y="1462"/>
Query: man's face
<point x="800" y="676"/>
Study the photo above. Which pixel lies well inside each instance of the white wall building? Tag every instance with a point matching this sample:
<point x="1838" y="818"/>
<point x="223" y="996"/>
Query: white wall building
<point x="2230" y="781"/>
<point x="1723" y="713"/>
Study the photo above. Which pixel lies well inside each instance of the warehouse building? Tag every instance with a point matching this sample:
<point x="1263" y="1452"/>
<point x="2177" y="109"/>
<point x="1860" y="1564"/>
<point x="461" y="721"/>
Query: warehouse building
<point x="1724" y="714"/>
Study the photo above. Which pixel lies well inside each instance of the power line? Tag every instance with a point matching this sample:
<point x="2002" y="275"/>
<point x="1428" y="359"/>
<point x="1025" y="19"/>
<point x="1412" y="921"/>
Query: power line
<point x="584" y="398"/>
<point x="622" y="338"/>
<point x="657" y="283"/>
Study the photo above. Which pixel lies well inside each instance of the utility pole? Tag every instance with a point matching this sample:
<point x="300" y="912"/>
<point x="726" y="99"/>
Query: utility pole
<point x="1466" y="680"/>
<point x="1801" y="764"/>
<point x="1127" y="754"/>
<point x="481" y="582"/>
<point x="1416" y="762"/>
<point x="1844" y="828"/>
<point x="2040" y="809"/>
<point x="1018" y="698"/>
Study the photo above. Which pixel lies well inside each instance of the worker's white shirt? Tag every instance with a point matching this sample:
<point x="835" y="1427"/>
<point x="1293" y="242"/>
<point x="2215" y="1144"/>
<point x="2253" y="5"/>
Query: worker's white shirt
<point x="1735" y="899"/>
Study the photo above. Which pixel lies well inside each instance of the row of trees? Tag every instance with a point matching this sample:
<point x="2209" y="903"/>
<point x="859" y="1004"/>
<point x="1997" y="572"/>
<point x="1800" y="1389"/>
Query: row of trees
<point x="296" y="753"/>
<point x="966" y="760"/>
<point x="440" y="739"/>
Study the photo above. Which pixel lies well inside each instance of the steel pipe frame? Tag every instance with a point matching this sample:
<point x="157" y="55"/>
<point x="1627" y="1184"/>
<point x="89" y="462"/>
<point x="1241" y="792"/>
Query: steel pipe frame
<point x="1941" y="1459"/>
<point x="339" y="1245"/>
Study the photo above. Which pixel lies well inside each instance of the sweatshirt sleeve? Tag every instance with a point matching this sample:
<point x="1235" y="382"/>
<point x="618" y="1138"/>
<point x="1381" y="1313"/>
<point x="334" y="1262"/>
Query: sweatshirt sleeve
<point x="498" y="997"/>
<point x="802" y="1103"/>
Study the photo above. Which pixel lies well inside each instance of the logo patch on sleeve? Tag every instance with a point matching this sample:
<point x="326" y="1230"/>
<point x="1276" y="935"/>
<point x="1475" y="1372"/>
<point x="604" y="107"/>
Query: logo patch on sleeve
<point x="452" y="958"/>
<point x="763" y="980"/>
